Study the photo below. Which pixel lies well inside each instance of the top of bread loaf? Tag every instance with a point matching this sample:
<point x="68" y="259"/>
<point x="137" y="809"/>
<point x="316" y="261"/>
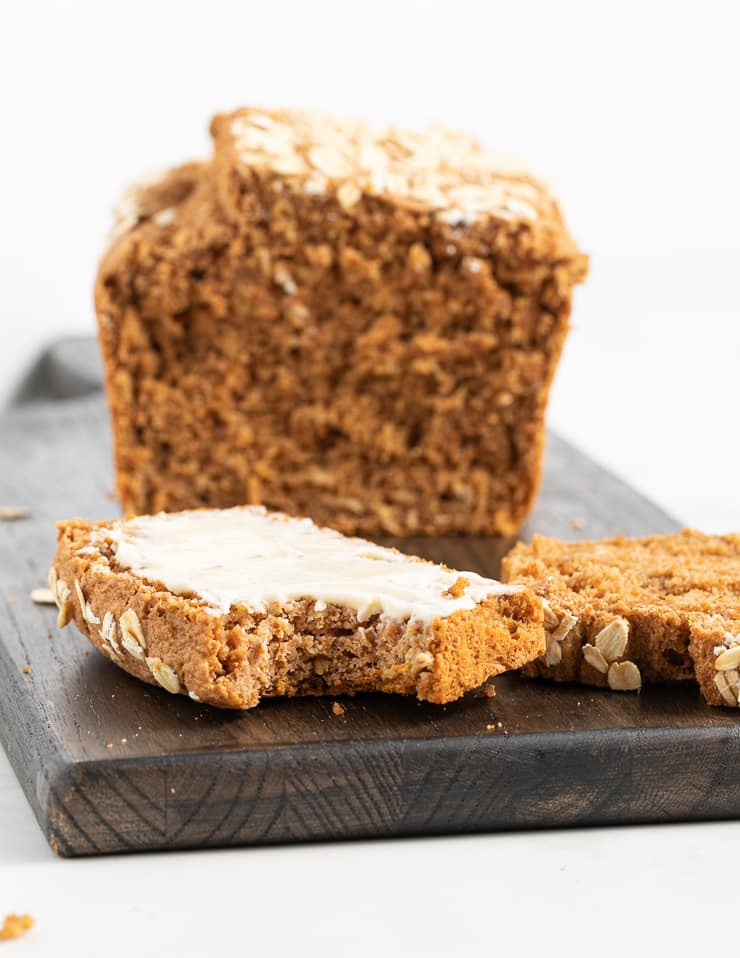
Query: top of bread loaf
<point x="444" y="176"/>
<point x="438" y="170"/>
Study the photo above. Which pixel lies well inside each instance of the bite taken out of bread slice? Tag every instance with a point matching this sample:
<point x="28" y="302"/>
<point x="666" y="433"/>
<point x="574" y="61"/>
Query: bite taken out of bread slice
<point x="231" y="606"/>
<point x="624" y="612"/>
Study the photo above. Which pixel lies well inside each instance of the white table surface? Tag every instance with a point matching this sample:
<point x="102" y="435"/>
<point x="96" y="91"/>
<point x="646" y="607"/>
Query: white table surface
<point x="582" y="892"/>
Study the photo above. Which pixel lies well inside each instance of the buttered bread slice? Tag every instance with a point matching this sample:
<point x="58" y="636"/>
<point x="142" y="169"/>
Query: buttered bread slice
<point x="230" y="606"/>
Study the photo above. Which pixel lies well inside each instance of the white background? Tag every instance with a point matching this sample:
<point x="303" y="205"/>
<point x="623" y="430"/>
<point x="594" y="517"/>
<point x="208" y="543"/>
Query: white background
<point x="631" y="111"/>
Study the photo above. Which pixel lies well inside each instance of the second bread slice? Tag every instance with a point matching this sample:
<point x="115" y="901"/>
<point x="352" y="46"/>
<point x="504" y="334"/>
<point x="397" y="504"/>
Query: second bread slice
<point x="625" y="612"/>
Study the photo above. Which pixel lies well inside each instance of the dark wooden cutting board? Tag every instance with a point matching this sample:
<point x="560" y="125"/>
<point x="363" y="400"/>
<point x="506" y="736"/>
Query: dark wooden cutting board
<point x="109" y="764"/>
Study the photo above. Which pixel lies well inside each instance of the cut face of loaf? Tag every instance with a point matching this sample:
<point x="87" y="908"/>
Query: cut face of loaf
<point x="624" y="612"/>
<point x="357" y="325"/>
<point x="235" y="605"/>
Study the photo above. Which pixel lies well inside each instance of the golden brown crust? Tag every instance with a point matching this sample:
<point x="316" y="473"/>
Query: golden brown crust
<point x="670" y="605"/>
<point x="233" y="660"/>
<point x="377" y="368"/>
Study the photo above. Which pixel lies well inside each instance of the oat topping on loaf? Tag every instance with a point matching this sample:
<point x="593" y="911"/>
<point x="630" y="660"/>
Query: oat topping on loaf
<point x="654" y="609"/>
<point x="439" y="169"/>
<point x="360" y="326"/>
<point x="235" y="605"/>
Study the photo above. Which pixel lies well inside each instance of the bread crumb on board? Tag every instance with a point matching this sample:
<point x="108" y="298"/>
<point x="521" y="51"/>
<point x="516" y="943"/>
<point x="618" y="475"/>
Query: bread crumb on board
<point x="14" y="926"/>
<point x="43" y="596"/>
<point x="338" y="709"/>
<point x="14" y="512"/>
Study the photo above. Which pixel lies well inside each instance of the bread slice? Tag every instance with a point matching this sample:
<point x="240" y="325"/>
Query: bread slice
<point x="623" y="612"/>
<point x="231" y="606"/>
<point x="359" y="325"/>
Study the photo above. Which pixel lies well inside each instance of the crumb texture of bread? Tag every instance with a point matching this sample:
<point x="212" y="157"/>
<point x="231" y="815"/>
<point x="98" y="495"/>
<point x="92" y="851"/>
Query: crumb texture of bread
<point x="360" y="326"/>
<point x="233" y="651"/>
<point x="622" y="612"/>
